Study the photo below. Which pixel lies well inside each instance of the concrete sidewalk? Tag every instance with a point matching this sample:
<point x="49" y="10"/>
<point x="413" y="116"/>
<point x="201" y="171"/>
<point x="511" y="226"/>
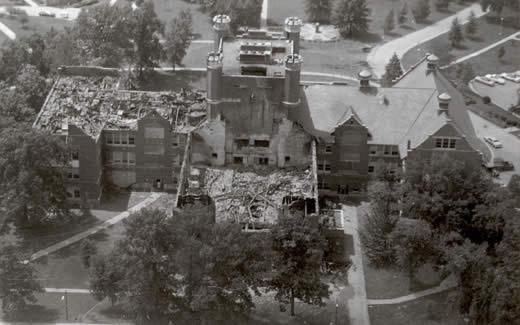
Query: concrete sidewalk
<point x="95" y="229"/>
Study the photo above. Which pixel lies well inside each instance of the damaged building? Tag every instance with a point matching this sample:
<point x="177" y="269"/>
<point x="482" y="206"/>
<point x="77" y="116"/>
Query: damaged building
<point x="128" y="139"/>
<point x="257" y="143"/>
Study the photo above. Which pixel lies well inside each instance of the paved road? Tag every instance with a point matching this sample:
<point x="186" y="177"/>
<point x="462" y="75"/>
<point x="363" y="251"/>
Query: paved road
<point x="357" y="304"/>
<point x="380" y="55"/>
<point x="511" y="149"/>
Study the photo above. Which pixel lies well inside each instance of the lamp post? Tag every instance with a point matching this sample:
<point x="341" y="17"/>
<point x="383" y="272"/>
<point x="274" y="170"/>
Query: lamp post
<point x="336" y="323"/>
<point x="501" y="25"/>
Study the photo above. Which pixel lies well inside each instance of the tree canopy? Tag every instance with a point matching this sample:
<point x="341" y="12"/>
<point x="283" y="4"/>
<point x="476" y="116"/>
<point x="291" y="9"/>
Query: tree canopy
<point x="178" y="37"/>
<point x="318" y="11"/>
<point x="352" y="17"/>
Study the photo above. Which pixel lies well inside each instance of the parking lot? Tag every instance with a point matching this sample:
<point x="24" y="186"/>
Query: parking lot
<point x="511" y="144"/>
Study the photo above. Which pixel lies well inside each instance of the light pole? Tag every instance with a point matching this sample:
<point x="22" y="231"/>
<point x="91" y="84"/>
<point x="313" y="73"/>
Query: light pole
<point x="336" y="323"/>
<point x="501" y="25"/>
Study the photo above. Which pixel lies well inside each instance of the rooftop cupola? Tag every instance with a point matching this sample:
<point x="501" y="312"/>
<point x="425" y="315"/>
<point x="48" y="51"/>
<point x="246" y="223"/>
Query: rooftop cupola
<point x="444" y="102"/>
<point x="432" y="61"/>
<point x="364" y="78"/>
<point x="220" y="28"/>
<point x="293" y="64"/>
<point x="293" y="27"/>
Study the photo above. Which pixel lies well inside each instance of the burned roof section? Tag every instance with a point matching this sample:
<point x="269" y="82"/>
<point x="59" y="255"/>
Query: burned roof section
<point x="94" y="103"/>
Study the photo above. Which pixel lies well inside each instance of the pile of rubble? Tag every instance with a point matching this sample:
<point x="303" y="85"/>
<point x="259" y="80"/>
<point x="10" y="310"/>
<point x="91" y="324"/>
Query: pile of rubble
<point x="248" y="197"/>
<point x="95" y="103"/>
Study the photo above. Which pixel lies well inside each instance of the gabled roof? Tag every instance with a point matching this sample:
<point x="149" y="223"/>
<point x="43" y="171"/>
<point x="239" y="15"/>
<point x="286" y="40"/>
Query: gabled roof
<point x="350" y="113"/>
<point x="407" y="112"/>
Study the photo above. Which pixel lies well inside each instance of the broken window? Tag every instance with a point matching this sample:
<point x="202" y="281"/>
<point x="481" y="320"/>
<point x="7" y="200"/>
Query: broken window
<point x="241" y="143"/>
<point x="287" y="158"/>
<point x="263" y="161"/>
<point x="238" y="160"/>
<point x="75" y="155"/>
<point x="262" y="143"/>
<point x="214" y="155"/>
<point x="371" y="169"/>
<point x="342" y="189"/>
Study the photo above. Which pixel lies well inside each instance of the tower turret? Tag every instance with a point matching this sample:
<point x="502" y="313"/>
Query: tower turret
<point x="214" y="81"/>
<point x="220" y="28"/>
<point x="293" y="27"/>
<point x="293" y="64"/>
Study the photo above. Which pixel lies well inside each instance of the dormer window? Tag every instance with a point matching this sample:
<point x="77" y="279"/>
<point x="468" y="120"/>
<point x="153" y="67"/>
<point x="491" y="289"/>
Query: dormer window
<point x="445" y="143"/>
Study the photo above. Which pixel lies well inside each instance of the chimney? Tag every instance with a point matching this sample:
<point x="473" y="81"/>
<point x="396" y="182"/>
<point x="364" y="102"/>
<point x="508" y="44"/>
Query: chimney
<point x="433" y="62"/>
<point x="364" y="78"/>
<point x="293" y="64"/>
<point x="220" y="28"/>
<point x="214" y="81"/>
<point x="293" y="27"/>
<point x="444" y="102"/>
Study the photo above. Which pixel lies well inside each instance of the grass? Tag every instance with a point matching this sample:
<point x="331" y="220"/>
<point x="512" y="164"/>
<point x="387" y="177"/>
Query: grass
<point x="279" y="10"/>
<point x="168" y="9"/>
<point x="488" y="33"/>
<point x="438" y="309"/>
<point x="39" y="25"/>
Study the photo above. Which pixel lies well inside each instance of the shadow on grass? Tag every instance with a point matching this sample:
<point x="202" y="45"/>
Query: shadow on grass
<point x="34" y="313"/>
<point x="407" y="27"/>
<point x="393" y="34"/>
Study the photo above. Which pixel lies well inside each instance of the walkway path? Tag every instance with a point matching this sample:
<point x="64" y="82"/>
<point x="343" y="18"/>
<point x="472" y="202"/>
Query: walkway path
<point x="447" y="284"/>
<point x="95" y="229"/>
<point x="7" y="31"/>
<point x="515" y="36"/>
<point x="31" y="3"/>
<point x="357" y="305"/>
<point x="380" y="55"/>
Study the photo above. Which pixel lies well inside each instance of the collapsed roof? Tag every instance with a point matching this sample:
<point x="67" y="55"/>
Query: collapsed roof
<point x="95" y="103"/>
<point x="252" y="197"/>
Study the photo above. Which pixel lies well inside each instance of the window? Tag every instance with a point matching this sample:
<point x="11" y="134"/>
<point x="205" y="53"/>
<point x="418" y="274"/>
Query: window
<point x="109" y="138"/>
<point x="116" y="138"/>
<point x="75" y="155"/>
<point x="154" y="133"/>
<point x="214" y="155"/>
<point x="373" y="150"/>
<point x="131" y="139"/>
<point x="238" y="160"/>
<point x="445" y="143"/>
<point x="242" y="143"/>
<point x="77" y="193"/>
<point x="395" y="151"/>
<point x="328" y="148"/>
<point x="124" y="138"/>
<point x="371" y="169"/>
<point x="342" y="189"/>
<point x="327" y="167"/>
<point x="320" y="166"/>
<point x="287" y="158"/>
<point x="131" y="158"/>
<point x="262" y="143"/>
<point x="387" y="150"/>
<point x="117" y="157"/>
<point x="263" y="161"/>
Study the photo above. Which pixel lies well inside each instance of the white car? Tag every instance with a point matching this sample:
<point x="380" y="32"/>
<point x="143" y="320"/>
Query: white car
<point x="493" y="141"/>
<point x="485" y="81"/>
<point x="511" y="77"/>
<point x="496" y="79"/>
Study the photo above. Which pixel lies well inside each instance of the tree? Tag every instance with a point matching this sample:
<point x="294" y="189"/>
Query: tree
<point x="514" y="187"/>
<point x="181" y="268"/>
<point x="421" y="10"/>
<point x="32" y="189"/>
<point x="414" y="245"/>
<point x="465" y="72"/>
<point x="501" y="52"/>
<point x="381" y="219"/>
<point x="178" y="37"/>
<point x="403" y="14"/>
<point x="298" y="247"/>
<point x="13" y="105"/>
<point x="442" y="5"/>
<point x="21" y="52"/>
<point x="318" y="11"/>
<point x="352" y="17"/>
<point x="104" y="35"/>
<point x="472" y="25"/>
<point x="105" y="277"/>
<point x="17" y="281"/>
<point x="393" y="70"/>
<point x="32" y="85"/>
<point x="88" y="251"/>
<point x="146" y="29"/>
<point x="242" y="13"/>
<point x="389" y="22"/>
<point x="455" y="35"/>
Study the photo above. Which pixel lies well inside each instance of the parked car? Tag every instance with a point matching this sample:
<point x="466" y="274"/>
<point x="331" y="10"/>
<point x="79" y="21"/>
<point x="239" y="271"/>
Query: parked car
<point x="502" y="165"/>
<point x="496" y="79"/>
<point x="493" y="141"/>
<point x="45" y="13"/>
<point x="511" y="77"/>
<point x="485" y="81"/>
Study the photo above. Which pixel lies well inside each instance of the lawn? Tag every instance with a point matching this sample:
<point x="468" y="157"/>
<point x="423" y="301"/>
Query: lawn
<point x="168" y="9"/>
<point x="489" y="32"/>
<point x="438" y="309"/>
<point x="279" y="10"/>
<point x="385" y="283"/>
<point x="3" y="39"/>
<point x="39" y="25"/>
